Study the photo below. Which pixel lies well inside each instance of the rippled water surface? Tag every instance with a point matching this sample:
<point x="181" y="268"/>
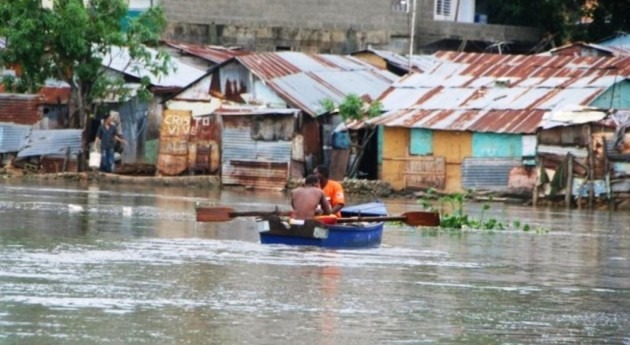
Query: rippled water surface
<point x="118" y="265"/>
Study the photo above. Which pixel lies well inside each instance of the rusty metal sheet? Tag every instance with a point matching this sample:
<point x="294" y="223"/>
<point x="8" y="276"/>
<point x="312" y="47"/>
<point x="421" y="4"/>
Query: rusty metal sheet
<point x="494" y="93"/>
<point x="174" y="134"/>
<point x="426" y="172"/>
<point x="522" y="179"/>
<point x="204" y="152"/>
<point x="214" y="54"/>
<point x="253" y="163"/>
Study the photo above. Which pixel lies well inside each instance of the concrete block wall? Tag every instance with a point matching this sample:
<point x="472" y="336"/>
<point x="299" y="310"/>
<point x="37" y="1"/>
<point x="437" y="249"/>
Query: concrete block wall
<point x="327" y="26"/>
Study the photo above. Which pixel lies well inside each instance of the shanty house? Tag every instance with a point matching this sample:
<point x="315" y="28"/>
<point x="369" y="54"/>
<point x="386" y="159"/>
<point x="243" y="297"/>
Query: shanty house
<point x="258" y="147"/>
<point x="277" y="81"/>
<point x="471" y="121"/>
<point x="141" y="120"/>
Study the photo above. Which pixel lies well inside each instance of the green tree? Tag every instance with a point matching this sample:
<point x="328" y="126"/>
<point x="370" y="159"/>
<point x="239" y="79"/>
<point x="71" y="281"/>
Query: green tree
<point x="561" y="21"/>
<point x="69" y="42"/>
<point x="354" y="108"/>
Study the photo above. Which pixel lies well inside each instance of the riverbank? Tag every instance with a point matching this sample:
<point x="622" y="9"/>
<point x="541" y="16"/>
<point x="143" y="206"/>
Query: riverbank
<point x="364" y="189"/>
<point x="374" y="189"/>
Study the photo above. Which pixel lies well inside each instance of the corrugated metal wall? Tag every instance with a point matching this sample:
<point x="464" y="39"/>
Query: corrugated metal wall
<point x="13" y="137"/>
<point x="134" y="118"/>
<point x="487" y="173"/>
<point x="254" y="163"/>
<point x="497" y="145"/>
<point x="204" y="153"/>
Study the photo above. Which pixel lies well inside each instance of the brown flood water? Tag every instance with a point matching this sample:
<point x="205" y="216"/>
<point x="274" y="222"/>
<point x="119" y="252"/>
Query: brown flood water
<point x="124" y="265"/>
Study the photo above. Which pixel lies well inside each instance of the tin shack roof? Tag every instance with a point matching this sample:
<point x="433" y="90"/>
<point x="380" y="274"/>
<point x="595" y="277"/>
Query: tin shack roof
<point x="570" y="49"/>
<point x="52" y="142"/>
<point x="497" y="93"/>
<point x="13" y="137"/>
<point x="214" y="54"/>
<point x="248" y="110"/>
<point x="419" y="63"/>
<point x="118" y="59"/>
<point x="304" y="80"/>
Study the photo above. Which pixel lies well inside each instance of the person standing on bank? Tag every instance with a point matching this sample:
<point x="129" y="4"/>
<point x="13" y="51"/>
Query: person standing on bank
<point x="332" y="189"/>
<point x="107" y="135"/>
<point x="307" y="200"/>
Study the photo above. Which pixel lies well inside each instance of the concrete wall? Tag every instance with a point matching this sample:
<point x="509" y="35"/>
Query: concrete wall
<point x="325" y="26"/>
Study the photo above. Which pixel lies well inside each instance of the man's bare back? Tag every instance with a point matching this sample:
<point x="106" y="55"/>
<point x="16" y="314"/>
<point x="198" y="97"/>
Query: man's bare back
<point x="305" y="201"/>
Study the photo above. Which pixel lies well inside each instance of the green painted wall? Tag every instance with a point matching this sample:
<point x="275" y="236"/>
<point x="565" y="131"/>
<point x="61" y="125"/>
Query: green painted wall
<point x="151" y="151"/>
<point x="421" y="141"/>
<point x="497" y="145"/>
<point x="620" y="95"/>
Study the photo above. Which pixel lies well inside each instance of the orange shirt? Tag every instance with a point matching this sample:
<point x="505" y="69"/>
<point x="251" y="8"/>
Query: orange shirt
<point x="334" y="193"/>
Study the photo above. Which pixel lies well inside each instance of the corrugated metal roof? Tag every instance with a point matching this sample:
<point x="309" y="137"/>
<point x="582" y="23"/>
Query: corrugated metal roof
<point x="419" y="63"/>
<point x="214" y="54"/>
<point x="12" y="137"/>
<point x="497" y="93"/>
<point x="273" y="65"/>
<point x="307" y="90"/>
<point x="119" y="60"/>
<point x="526" y="66"/>
<point x="248" y="110"/>
<point x="304" y="80"/>
<point x="612" y="50"/>
<point x="52" y="143"/>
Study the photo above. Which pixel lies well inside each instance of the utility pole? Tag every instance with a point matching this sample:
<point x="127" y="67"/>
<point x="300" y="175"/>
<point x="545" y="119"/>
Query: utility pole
<point x="413" y="32"/>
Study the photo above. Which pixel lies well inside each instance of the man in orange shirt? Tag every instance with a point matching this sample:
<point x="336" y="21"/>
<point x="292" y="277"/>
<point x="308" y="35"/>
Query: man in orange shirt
<point x="332" y="189"/>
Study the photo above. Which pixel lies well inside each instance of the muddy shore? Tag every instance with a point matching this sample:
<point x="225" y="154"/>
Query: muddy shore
<point x="368" y="188"/>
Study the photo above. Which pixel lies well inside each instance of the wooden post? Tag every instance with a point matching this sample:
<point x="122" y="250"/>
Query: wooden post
<point x="591" y="167"/>
<point x="607" y="176"/>
<point x="66" y="160"/>
<point x="568" y="195"/>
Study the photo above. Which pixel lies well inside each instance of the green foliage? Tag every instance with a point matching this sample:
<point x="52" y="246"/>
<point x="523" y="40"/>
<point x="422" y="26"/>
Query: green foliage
<point x="353" y="107"/>
<point x="453" y="216"/>
<point x="560" y="18"/>
<point x="68" y="43"/>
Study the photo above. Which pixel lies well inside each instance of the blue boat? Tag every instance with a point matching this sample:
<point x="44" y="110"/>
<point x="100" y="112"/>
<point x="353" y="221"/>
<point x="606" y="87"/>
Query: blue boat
<point x="313" y="233"/>
<point x="275" y="230"/>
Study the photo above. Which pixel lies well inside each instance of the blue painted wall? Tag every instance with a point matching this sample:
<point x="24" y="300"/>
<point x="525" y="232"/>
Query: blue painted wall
<point x="421" y="141"/>
<point x="622" y="40"/>
<point x="620" y="94"/>
<point x="497" y="145"/>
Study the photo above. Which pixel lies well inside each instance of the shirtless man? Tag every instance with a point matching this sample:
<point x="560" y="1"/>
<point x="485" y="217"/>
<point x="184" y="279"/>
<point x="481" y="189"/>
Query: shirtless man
<point x="305" y="200"/>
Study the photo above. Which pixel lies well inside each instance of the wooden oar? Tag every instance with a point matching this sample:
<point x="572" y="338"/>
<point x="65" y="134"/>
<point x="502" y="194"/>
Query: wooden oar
<point x="224" y="214"/>
<point x="418" y="218"/>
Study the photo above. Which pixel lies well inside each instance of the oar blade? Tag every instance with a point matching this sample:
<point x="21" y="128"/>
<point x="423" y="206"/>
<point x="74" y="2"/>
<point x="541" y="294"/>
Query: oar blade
<point x="421" y="218"/>
<point x="214" y="214"/>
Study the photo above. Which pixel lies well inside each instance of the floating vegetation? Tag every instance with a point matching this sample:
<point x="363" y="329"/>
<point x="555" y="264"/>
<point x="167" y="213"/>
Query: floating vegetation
<point x="453" y="216"/>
